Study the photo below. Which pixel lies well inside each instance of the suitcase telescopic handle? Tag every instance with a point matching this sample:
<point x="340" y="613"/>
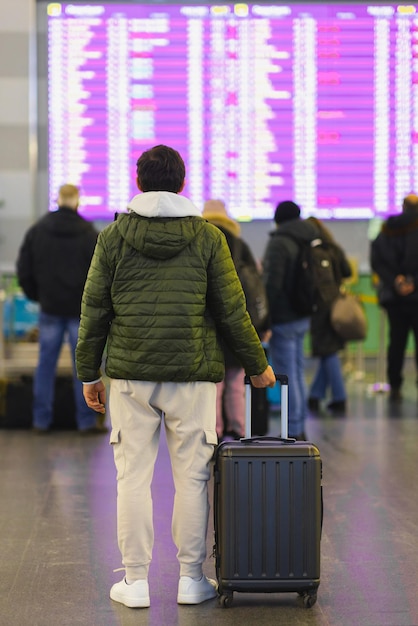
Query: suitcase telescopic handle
<point x="284" y="409"/>
<point x="281" y="378"/>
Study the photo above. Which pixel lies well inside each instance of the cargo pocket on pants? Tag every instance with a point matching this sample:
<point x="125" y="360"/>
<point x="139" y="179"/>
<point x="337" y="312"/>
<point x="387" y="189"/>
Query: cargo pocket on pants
<point x="118" y="454"/>
<point x="211" y="437"/>
<point x="200" y="467"/>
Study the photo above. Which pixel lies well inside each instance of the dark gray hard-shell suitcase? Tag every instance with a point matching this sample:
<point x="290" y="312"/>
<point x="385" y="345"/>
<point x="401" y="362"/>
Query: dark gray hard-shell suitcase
<point x="268" y="512"/>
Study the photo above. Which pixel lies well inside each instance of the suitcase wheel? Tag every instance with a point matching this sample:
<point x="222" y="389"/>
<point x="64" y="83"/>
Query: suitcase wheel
<point x="308" y="598"/>
<point x="225" y="600"/>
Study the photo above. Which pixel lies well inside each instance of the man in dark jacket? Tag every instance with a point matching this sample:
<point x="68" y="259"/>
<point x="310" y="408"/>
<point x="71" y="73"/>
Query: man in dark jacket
<point x="394" y="258"/>
<point x="52" y="267"/>
<point x="288" y="326"/>
<point x="161" y="291"/>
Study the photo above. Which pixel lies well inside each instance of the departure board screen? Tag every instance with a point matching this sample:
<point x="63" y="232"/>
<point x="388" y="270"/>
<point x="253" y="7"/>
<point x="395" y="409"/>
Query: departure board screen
<point x="315" y="103"/>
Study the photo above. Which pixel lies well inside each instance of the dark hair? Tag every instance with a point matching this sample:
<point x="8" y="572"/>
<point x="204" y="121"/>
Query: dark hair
<point x="160" y="169"/>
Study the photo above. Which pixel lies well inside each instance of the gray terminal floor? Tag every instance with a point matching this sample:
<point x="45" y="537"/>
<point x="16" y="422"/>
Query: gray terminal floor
<point x="58" y="529"/>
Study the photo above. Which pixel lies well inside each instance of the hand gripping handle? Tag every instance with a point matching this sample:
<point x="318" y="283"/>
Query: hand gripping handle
<point x="284" y="403"/>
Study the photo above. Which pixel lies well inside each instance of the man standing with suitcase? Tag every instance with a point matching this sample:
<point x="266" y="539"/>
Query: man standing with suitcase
<point x="161" y="290"/>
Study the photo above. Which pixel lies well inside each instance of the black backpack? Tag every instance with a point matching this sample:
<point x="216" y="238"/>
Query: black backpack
<point x="314" y="278"/>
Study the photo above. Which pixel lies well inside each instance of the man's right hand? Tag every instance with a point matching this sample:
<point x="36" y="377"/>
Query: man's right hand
<point x="266" y="379"/>
<point x="95" y="396"/>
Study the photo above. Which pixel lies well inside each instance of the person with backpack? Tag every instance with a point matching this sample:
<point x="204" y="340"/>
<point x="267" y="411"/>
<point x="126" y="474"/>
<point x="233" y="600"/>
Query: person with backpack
<point x="289" y="321"/>
<point x="230" y="404"/>
<point x="325" y="341"/>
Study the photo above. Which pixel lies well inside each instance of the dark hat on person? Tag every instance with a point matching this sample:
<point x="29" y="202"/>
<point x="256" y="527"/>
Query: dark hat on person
<point x="286" y="210"/>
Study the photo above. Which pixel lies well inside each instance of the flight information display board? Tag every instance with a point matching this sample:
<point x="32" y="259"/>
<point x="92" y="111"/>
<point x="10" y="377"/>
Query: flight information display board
<point x="317" y="103"/>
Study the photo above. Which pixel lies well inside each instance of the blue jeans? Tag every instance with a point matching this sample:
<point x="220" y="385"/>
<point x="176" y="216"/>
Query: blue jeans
<point x="328" y="374"/>
<point x="52" y="332"/>
<point x="287" y="356"/>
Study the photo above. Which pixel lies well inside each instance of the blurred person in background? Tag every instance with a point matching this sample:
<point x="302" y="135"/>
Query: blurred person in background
<point x="52" y="267"/>
<point x="325" y="342"/>
<point x="230" y="404"/>
<point x="394" y="258"/>
<point x="288" y="326"/>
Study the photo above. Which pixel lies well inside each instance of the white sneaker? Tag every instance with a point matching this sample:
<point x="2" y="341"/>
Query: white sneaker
<point x="196" y="591"/>
<point x="135" y="596"/>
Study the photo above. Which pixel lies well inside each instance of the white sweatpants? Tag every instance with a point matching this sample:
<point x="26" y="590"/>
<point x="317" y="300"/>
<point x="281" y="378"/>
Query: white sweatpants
<point x="137" y="409"/>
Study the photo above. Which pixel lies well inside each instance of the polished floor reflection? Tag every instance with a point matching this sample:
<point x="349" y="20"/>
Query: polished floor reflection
<point x="58" y="546"/>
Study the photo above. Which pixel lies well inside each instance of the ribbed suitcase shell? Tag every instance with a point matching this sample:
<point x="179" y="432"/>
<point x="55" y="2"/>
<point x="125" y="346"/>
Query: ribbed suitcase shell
<point x="268" y="517"/>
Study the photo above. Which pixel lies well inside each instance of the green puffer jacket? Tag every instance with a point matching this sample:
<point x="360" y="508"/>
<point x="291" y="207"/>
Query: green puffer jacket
<point x="161" y="290"/>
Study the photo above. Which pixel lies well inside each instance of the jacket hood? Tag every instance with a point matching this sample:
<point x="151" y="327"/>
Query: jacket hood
<point x="224" y="222"/>
<point x="160" y="224"/>
<point x="215" y="212"/>
<point x="162" y="204"/>
<point x="401" y="224"/>
<point x="302" y="229"/>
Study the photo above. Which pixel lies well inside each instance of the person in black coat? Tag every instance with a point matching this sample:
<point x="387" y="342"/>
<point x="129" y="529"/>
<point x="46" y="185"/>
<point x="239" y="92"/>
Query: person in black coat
<point x="288" y="325"/>
<point x="52" y="267"/>
<point x="394" y="258"/>
<point x="325" y="342"/>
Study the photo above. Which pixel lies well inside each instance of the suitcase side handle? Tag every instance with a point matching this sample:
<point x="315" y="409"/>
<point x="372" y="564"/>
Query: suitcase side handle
<point x="284" y="412"/>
